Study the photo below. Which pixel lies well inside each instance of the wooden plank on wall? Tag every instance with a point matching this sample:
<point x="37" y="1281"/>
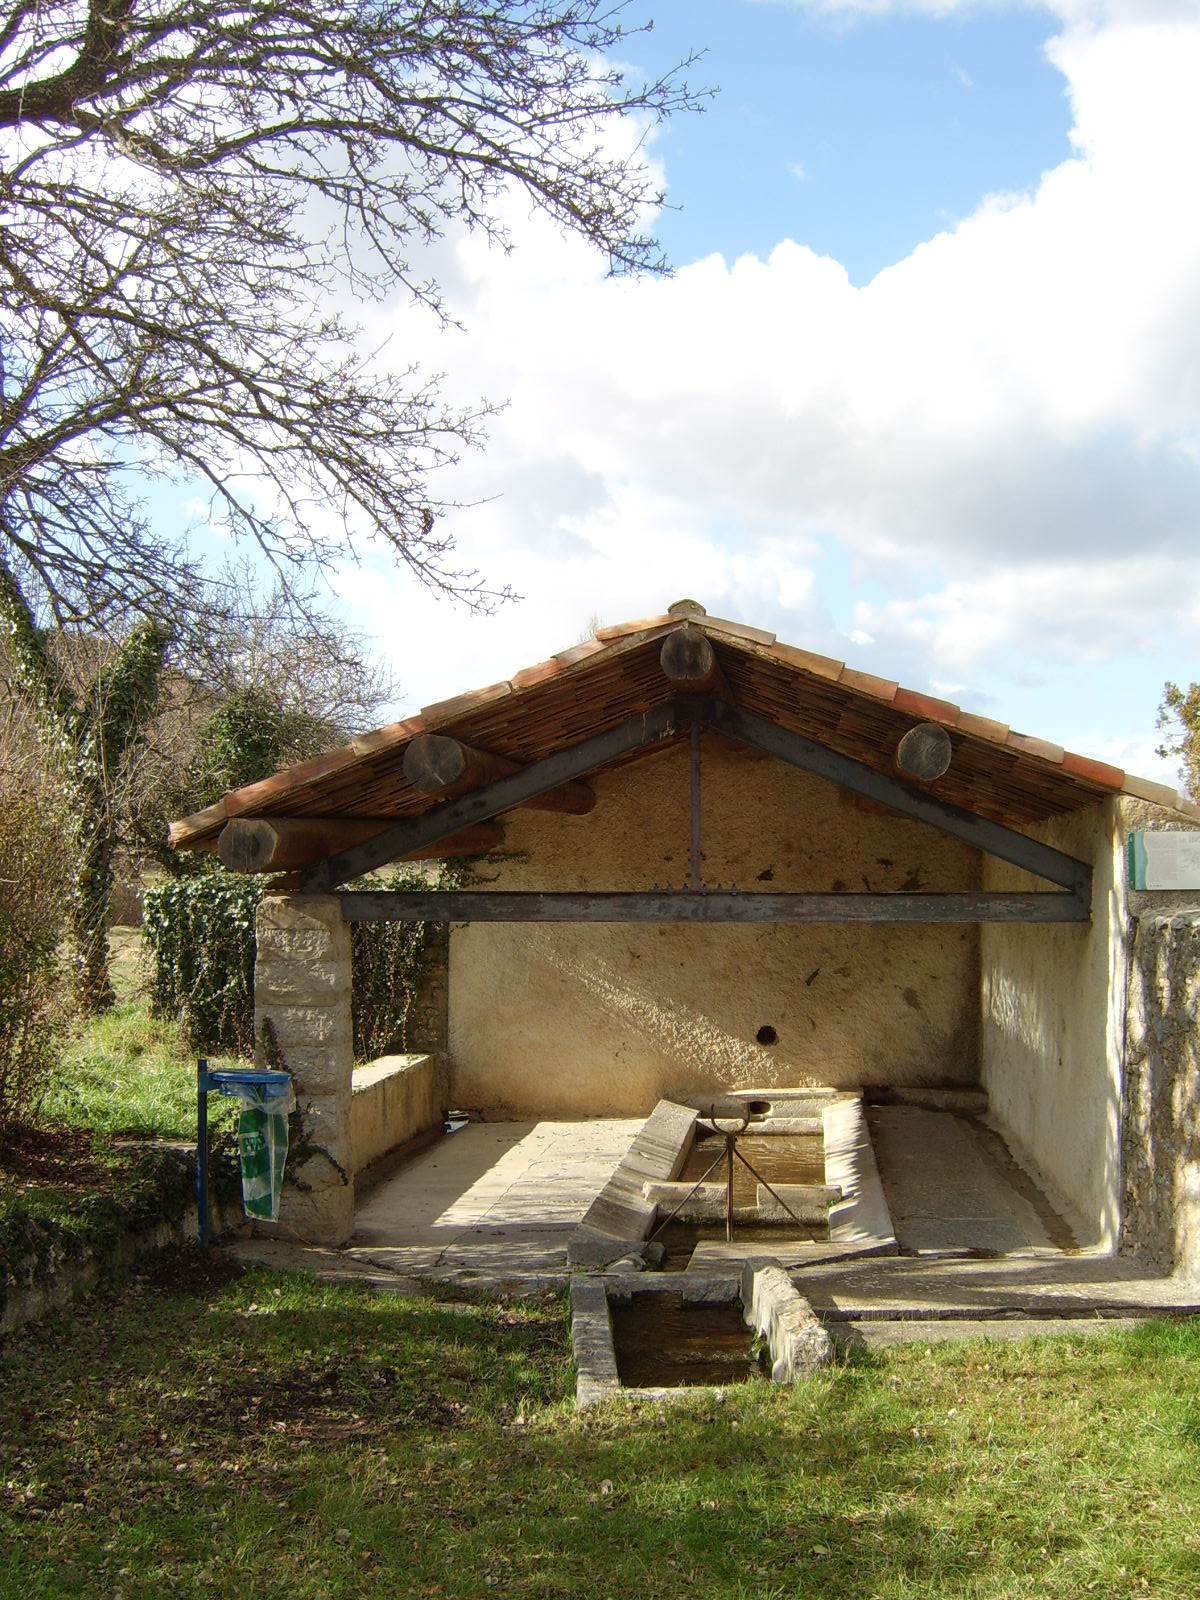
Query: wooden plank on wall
<point x="707" y="906"/>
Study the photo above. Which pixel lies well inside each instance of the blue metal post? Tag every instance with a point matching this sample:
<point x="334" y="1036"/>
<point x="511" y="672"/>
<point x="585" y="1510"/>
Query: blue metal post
<point x="202" y="1148"/>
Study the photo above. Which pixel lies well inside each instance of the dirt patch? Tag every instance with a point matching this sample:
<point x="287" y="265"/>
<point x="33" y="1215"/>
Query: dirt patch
<point x="186" y="1269"/>
<point x="66" y="1159"/>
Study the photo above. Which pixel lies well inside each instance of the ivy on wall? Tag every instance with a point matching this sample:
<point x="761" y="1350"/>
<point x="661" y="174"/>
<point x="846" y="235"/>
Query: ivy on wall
<point x="199" y="935"/>
<point x="34" y="873"/>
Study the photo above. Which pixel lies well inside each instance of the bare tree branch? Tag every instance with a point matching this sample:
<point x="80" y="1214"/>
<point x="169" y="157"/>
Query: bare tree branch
<point x="163" y="166"/>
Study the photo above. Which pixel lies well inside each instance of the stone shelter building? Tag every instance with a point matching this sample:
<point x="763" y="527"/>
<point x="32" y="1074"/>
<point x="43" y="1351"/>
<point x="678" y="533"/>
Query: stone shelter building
<point x="696" y="859"/>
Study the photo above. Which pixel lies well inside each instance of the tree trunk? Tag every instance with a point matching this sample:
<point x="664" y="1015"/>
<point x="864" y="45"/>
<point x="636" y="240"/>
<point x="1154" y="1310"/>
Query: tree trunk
<point x="92" y="892"/>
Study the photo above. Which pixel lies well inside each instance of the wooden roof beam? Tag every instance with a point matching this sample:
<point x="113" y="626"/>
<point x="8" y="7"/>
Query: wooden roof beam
<point x="991" y="837"/>
<point x="286" y="844"/>
<point x="925" y="752"/>
<point x="707" y="905"/>
<point x="436" y="764"/>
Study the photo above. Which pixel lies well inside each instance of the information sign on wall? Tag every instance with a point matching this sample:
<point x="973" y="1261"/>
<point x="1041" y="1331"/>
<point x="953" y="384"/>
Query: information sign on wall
<point x="1160" y="860"/>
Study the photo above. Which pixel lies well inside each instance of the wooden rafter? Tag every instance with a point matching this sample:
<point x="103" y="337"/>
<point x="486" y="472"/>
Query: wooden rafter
<point x="695" y="905"/>
<point x="417" y="833"/>
<point x="993" y="838"/>
<point x="688" y="659"/>
<point x="286" y="844"/>
<point x="435" y="764"/>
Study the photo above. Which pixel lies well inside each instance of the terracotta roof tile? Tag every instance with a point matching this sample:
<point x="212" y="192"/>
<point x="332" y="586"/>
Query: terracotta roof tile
<point x="282" y="783"/>
<point x="619" y="630"/>
<point x="1159" y="794"/>
<point x="983" y="727"/>
<point x="460" y="705"/>
<point x="868" y="683"/>
<point x="368" y="744"/>
<point x="1030" y="746"/>
<point x="926" y="707"/>
<point x="806" y="661"/>
<point x="528" y="676"/>
<point x="578" y="652"/>
<point x="739" y="632"/>
<point x="1097" y="771"/>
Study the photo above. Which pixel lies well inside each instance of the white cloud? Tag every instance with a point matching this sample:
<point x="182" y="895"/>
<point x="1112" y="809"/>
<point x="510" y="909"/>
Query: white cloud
<point x="1049" y="612"/>
<point x="1015" y="405"/>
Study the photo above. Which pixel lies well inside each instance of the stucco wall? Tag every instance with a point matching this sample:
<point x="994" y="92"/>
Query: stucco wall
<point x="426" y="1027"/>
<point x="394" y="1100"/>
<point x="1052" y="1029"/>
<point x="594" y="1020"/>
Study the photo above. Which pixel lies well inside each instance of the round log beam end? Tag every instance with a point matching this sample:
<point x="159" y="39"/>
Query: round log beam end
<point x="687" y="657"/>
<point x="432" y="762"/>
<point x="924" y="752"/>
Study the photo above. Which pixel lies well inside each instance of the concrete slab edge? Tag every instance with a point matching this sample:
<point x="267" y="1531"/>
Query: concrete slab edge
<point x="1058" y="1308"/>
<point x="620" y="1216"/>
<point x="863" y="1217"/>
<point x="778" y="1312"/>
<point x="596" y="1377"/>
<point x="772" y="1306"/>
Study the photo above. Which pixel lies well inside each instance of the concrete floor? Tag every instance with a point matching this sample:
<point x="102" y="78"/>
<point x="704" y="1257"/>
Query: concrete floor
<point x="490" y="1207"/>
<point x="983" y="1250"/>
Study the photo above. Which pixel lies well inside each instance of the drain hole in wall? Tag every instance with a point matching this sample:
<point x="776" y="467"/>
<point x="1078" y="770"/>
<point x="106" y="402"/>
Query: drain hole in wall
<point x="758" y="1108"/>
<point x="766" y="1034"/>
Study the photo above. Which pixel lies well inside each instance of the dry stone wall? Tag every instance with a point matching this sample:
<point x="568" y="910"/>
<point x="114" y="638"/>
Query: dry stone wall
<point x="1161" y="1122"/>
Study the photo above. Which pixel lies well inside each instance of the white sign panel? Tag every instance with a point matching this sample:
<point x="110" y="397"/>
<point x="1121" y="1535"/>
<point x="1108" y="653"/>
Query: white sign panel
<point x="1164" y="860"/>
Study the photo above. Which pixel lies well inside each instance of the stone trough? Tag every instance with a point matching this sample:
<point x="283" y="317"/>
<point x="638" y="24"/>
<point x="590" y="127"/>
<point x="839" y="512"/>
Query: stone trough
<point x="844" y="1211"/>
<point x="772" y="1310"/>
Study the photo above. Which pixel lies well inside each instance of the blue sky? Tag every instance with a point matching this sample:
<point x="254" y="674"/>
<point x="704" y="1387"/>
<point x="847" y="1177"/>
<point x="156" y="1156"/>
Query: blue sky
<point x="859" y="141"/>
<point x="923" y="392"/>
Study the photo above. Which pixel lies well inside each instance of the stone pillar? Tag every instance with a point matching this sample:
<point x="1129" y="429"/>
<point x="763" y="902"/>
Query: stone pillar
<point x="302" y="990"/>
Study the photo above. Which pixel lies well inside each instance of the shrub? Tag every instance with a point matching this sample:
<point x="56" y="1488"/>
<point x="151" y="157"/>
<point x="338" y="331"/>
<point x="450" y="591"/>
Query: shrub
<point x="200" y="936"/>
<point x="34" y="873"/>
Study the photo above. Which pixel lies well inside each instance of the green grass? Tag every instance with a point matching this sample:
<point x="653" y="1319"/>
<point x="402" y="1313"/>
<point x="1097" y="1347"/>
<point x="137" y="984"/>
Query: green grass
<point x="130" y="1073"/>
<point x="125" y="1076"/>
<point x="271" y="1437"/>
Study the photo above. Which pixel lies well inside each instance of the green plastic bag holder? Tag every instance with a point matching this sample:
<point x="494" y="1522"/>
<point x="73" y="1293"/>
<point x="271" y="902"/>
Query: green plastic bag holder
<point x="267" y="1100"/>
